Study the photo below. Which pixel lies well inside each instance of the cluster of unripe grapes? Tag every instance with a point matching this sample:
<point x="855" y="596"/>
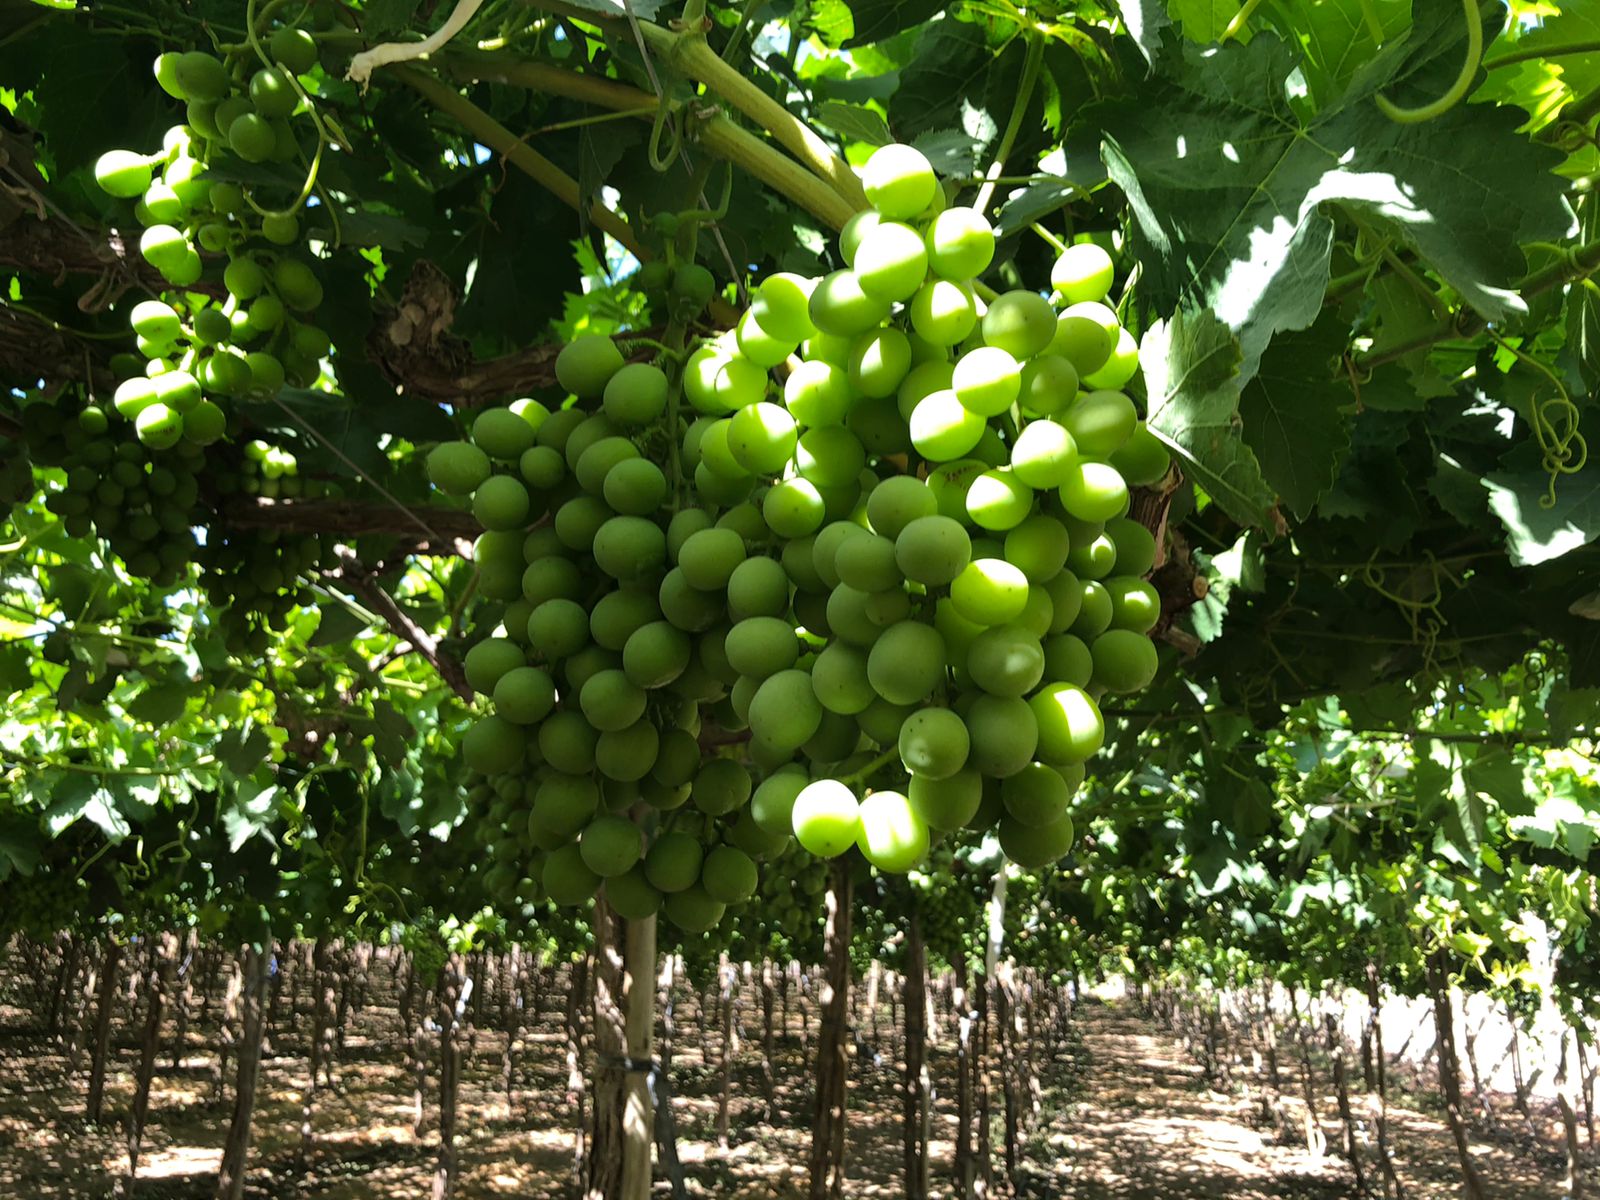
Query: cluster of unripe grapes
<point x="195" y="348"/>
<point x="142" y="501"/>
<point x="16" y="475"/>
<point x="905" y="570"/>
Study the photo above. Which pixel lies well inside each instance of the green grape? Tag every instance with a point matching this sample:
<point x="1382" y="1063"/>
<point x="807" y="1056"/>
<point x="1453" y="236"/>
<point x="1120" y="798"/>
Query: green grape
<point x="818" y="393"/>
<point x="1142" y="460"/>
<point x="251" y="137"/>
<point x="721" y="786"/>
<point x="830" y="457"/>
<point x="457" y="468"/>
<point x="899" y="181"/>
<point x="586" y="364"/>
<point x="855" y="231"/>
<point x="890" y="834"/>
<point x="867" y="563"/>
<point x="1094" y="491"/>
<point x="655" y="654"/>
<point x="611" y="846"/>
<point x="1006" y="660"/>
<point x="942" y="428"/>
<point x="693" y="910"/>
<point x="199" y="76"/>
<point x="1124" y="660"/>
<point x="891" y="261"/>
<point x="501" y="502"/>
<point x="826" y="817"/>
<point x="673" y="862"/>
<point x="1120" y="367"/>
<point x="840" y="681"/>
<point x="839" y="306"/>
<point x="1083" y="272"/>
<point x="634" y="486"/>
<point x="960" y="243"/>
<point x="898" y="501"/>
<point x="762" y="348"/>
<point x="636" y="395"/>
<point x="949" y="803"/>
<point x="630" y="548"/>
<point x="987" y="380"/>
<point x="1035" y="795"/>
<point x="524" y="695"/>
<point x="1044" y="454"/>
<point x="762" y="646"/>
<point x="1093" y="559"/>
<point x="567" y="878"/>
<point x="943" y="312"/>
<point x="794" y="508"/>
<point x="1100" y="422"/>
<point x="1071" y="728"/>
<point x="492" y="746"/>
<point x="999" y="500"/>
<point x="933" y="743"/>
<point x="1004" y="732"/>
<point x="933" y="550"/>
<point x="294" y="48"/>
<point x="297" y="285"/>
<point x="708" y="557"/>
<point x="782" y="306"/>
<point x="1067" y="660"/>
<point x="989" y="591"/>
<point x="281" y="229"/>
<point x="879" y="361"/>
<point x="1021" y="323"/>
<point x="907" y="662"/>
<point x="1034" y="846"/>
<point x="761" y="438"/>
<point x="784" y="710"/>
<point x="488" y="661"/>
<point x="1085" y="335"/>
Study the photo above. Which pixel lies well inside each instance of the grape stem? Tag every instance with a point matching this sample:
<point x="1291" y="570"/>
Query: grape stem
<point x="871" y="768"/>
<point x="1019" y="107"/>
<point x="525" y="158"/>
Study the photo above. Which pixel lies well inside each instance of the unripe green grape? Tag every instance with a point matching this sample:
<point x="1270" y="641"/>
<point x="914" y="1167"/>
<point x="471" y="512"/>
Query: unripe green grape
<point x="1035" y="795"/>
<point x="1083" y="272"/>
<point x="165" y="69"/>
<point x="1135" y="545"/>
<point x="294" y="48"/>
<point x="200" y="76"/>
<point x="932" y="550"/>
<point x="1020" y="322"/>
<point x="272" y="93"/>
<point x="693" y="910"/>
<point x="567" y="879"/>
<point x="163" y="247"/>
<point x="987" y="380"/>
<point x="636" y="394"/>
<point x="922" y="381"/>
<point x="891" y="836"/>
<point x="1135" y="604"/>
<point x="524" y="695"/>
<point x="265" y="313"/>
<point x="178" y="390"/>
<point x="558" y="628"/>
<point x="879" y="361"/>
<point x="594" y="463"/>
<point x="297" y="285"/>
<point x="729" y="875"/>
<point x="826" y="818"/>
<point x="1004" y="732"/>
<point x="1143" y="460"/>
<point x="689" y="608"/>
<point x="243" y="278"/>
<point x="899" y="181"/>
<point x="1067" y="660"/>
<point x="761" y="347"/>
<point x="949" y="803"/>
<point x="1093" y="559"/>
<point x="1094" y="610"/>
<point x="960" y="244"/>
<point x="818" y="393"/>
<point x="707" y="558"/>
<point x="907" y="662"/>
<point x="634" y="486"/>
<point x="159" y="426"/>
<point x="1006" y="660"/>
<point x="550" y="577"/>
<point x="943" y="429"/>
<point x="501" y="502"/>
<point x="1034" y="846"/>
<point x="761" y="438"/>
<point x="943" y="312"/>
<point x="163" y="204"/>
<point x="630" y="548"/>
<point x="617" y="615"/>
<point x="999" y="500"/>
<point x="840" y="306"/>
<point x="782" y="306"/>
<point x="1071" y="728"/>
<point x="493" y="746"/>
<point x="1085" y="335"/>
<point x="829" y="457"/>
<point x="867" y="563"/>
<point x="1124" y="660"/>
<point x="281" y="229"/>
<point x="989" y="591"/>
<point x="1100" y="422"/>
<point x="250" y="136"/>
<point x="891" y="261"/>
<point x="784" y="710"/>
<point x="933" y="743"/>
<point x="855" y="231"/>
<point x="1049" y="385"/>
<point x="1094" y="491"/>
<point x="794" y="508"/>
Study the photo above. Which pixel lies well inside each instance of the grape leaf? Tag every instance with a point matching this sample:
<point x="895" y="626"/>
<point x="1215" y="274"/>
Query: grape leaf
<point x="1145" y="21"/>
<point x="955" y="79"/>
<point x="1291" y="414"/>
<point x="1203" y="20"/>
<point x="1534" y="533"/>
<point x="380" y="18"/>
<point x="854" y="122"/>
<point x="1339" y="37"/>
<point x="878" y="19"/>
<point x="82" y="797"/>
<point x="1191" y="371"/>
<point x="1228" y="182"/>
<point x="949" y="150"/>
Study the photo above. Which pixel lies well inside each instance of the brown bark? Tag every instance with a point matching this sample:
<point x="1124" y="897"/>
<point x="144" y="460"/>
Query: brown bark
<point x="1569" y="1124"/>
<point x="155" y="995"/>
<point x="603" y="1177"/>
<point x="769" y="1083"/>
<point x="916" y="1084"/>
<point x="236" y="1150"/>
<point x="1450" y="1073"/>
<point x="449" y="991"/>
<point x="725" y="990"/>
<point x="965" y="1165"/>
<point x="102" y="1031"/>
<point x="826" y="1160"/>
<point x="1352" y="1145"/>
<point x="666" y="1129"/>
<point x="322" y="1016"/>
<point x="62" y="988"/>
<point x="1377" y="1096"/>
<point x="1316" y="1139"/>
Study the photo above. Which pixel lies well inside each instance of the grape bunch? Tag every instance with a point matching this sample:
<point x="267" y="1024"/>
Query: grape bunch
<point x="195" y="349"/>
<point x="142" y="501"/>
<point x="16" y="474"/>
<point x="905" y="571"/>
<point x="257" y="575"/>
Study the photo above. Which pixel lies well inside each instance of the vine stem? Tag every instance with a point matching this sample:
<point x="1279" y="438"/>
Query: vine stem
<point x="721" y="136"/>
<point x="524" y="157"/>
<point x="1019" y="108"/>
<point x="1529" y="54"/>
<point x="689" y="53"/>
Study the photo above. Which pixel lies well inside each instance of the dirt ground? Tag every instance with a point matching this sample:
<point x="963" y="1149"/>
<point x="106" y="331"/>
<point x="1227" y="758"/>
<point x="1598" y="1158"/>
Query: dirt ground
<point x="1125" y="1113"/>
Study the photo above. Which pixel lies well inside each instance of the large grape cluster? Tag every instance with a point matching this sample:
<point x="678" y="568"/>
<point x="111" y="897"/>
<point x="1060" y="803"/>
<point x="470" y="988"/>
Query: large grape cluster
<point x="905" y="571"/>
<point x="196" y="348"/>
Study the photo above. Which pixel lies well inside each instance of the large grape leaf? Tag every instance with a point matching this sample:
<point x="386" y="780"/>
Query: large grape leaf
<point x="1229" y="183"/>
<point x="879" y="19"/>
<point x="1534" y="533"/>
<point x="1339" y="36"/>
<point x="1291" y="409"/>
<point x="1191" y="373"/>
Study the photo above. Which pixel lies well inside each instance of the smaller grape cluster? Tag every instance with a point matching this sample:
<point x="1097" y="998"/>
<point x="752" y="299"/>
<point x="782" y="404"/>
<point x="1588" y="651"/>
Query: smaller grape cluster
<point x="195" y="349"/>
<point x="141" y="500"/>
<point x="16" y="475"/>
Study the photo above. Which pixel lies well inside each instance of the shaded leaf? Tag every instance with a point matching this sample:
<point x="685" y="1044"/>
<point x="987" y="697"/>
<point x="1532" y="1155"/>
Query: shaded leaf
<point x="1191" y="372"/>
<point x="878" y="19"/>
<point x="854" y="122"/>
<point x="1534" y="533"/>
<point x="1291" y="414"/>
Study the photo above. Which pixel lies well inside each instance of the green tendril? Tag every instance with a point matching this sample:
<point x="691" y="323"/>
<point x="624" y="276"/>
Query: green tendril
<point x="1563" y="450"/>
<point x="1457" y="90"/>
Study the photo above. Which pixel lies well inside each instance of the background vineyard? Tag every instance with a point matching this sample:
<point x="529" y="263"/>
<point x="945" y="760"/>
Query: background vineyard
<point x="281" y="316"/>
